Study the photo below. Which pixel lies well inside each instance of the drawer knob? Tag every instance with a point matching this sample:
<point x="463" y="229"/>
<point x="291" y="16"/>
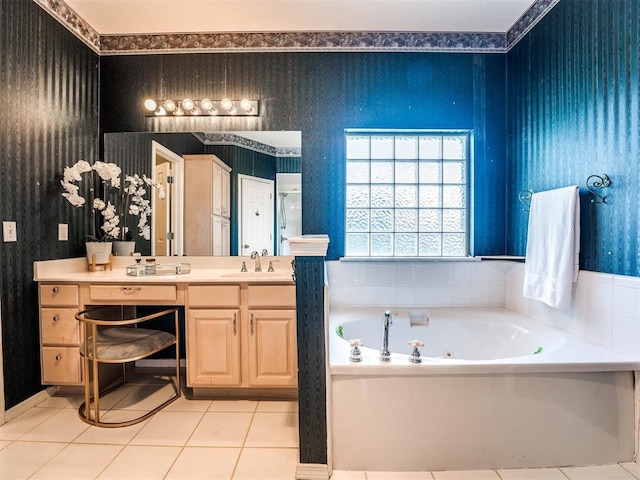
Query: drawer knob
<point x="56" y="318"/>
<point x="58" y="357"/>
<point x="54" y="289"/>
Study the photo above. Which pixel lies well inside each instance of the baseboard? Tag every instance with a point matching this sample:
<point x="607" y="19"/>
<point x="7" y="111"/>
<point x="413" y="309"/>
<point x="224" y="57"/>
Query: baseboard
<point x="30" y="402"/>
<point x="312" y="471"/>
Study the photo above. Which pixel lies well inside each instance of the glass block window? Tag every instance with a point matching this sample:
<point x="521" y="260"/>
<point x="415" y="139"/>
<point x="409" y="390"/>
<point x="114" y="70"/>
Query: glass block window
<point x="406" y="194"/>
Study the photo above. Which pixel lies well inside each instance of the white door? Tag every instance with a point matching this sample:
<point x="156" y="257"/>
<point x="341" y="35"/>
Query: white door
<point x="255" y="204"/>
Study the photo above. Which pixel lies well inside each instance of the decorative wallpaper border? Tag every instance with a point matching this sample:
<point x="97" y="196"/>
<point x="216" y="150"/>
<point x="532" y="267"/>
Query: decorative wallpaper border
<point x="72" y="21"/>
<point x="297" y="41"/>
<point x="302" y="41"/>
<point x="223" y="138"/>
<point x="530" y="18"/>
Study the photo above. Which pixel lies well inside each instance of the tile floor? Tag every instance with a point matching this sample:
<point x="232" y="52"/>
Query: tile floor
<point x="198" y="439"/>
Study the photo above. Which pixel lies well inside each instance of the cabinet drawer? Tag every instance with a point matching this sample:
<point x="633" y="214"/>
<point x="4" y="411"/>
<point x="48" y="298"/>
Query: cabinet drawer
<point x="218" y="296"/>
<point x="132" y="293"/>
<point x="59" y="295"/>
<point x="59" y="326"/>
<point x="271" y="296"/>
<point x="60" y="365"/>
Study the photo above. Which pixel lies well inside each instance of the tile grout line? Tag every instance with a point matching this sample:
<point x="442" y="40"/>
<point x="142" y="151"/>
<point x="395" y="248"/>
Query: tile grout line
<point x="244" y="440"/>
<point x="173" y="463"/>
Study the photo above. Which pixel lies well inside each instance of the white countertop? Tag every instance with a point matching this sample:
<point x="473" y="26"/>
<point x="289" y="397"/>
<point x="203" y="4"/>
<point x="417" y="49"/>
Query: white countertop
<point x="203" y="270"/>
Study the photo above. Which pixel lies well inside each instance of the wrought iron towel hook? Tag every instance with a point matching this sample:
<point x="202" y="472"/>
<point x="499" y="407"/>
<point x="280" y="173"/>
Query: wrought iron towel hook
<point x="525" y="198"/>
<point x="598" y="181"/>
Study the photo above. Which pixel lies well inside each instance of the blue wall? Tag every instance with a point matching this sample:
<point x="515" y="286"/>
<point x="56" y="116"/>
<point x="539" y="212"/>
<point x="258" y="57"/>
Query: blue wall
<point x="322" y="94"/>
<point x="574" y="111"/>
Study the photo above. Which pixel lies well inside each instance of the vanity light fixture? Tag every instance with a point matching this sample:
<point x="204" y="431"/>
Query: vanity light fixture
<point x="204" y="107"/>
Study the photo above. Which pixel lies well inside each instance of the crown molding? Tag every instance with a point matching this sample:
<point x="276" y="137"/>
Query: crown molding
<point x="297" y="41"/>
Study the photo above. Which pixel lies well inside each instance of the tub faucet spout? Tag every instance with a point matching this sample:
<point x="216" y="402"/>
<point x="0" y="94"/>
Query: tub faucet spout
<point x="385" y="355"/>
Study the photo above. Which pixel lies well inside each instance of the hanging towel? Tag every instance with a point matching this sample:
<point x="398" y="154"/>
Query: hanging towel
<point x="553" y="246"/>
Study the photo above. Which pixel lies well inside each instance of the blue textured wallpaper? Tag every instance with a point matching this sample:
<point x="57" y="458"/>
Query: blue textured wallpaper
<point x="573" y="111"/>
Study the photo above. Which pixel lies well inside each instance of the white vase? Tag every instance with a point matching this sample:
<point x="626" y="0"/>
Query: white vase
<point x="122" y="248"/>
<point x="101" y="250"/>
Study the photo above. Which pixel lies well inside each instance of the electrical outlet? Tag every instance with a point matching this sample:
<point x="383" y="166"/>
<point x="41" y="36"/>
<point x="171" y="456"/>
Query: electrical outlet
<point x="63" y="232"/>
<point x="9" y="233"/>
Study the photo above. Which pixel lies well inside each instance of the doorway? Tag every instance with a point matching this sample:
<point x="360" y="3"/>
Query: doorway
<point x="167" y="232"/>
<point x="255" y="211"/>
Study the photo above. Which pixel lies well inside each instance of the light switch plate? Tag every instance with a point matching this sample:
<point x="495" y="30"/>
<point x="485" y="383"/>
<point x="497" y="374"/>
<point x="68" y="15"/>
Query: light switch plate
<point x="63" y="232"/>
<point x="9" y="233"/>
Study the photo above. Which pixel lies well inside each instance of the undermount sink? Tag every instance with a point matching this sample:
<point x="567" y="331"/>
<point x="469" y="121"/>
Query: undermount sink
<point x="254" y="275"/>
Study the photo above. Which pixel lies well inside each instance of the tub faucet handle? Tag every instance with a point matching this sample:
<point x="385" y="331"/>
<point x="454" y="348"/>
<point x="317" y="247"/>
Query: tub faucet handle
<point x="415" y="353"/>
<point x="356" y="354"/>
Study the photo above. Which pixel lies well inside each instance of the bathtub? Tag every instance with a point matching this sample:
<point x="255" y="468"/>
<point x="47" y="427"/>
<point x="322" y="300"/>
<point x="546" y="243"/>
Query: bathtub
<point x="494" y="389"/>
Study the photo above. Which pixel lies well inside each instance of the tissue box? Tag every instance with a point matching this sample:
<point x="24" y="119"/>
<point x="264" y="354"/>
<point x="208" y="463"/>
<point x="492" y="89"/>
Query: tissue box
<point x="309" y="245"/>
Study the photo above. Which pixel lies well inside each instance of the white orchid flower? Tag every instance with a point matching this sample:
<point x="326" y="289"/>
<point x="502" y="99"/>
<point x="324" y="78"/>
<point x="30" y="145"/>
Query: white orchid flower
<point x="98" y="204"/>
<point x="74" y="199"/>
<point x="71" y="174"/>
<point x="107" y="171"/>
<point x="145" y="232"/>
<point x="82" y="166"/>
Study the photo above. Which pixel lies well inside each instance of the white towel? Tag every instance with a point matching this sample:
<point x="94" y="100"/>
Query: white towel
<point x="553" y="246"/>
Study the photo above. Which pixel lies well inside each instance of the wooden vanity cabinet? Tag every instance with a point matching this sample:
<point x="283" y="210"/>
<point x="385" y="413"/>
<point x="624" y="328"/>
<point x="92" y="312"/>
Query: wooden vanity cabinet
<point x="60" y="334"/>
<point x="241" y="336"/>
<point x="272" y="353"/>
<point x="213" y="336"/>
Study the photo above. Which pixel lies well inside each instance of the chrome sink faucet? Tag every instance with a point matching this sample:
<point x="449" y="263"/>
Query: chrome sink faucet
<point x="385" y="355"/>
<point x="256" y="257"/>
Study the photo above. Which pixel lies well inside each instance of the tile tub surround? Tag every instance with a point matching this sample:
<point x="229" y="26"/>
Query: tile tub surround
<point x="419" y="283"/>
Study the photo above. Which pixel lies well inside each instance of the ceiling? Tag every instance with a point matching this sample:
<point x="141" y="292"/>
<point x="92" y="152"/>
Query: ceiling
<point x="120" y="17"/>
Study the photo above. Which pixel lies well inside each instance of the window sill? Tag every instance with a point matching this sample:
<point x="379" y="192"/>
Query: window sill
<point x="409" y="259"/>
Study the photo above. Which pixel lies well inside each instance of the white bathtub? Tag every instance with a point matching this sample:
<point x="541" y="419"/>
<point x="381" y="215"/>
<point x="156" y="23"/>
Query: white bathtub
<point x="495" y="389"/>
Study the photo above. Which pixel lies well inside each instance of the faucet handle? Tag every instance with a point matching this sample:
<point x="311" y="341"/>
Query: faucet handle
<point x="415" y="353"/>
<point x="270" y="269"/>
<point x="244" y="267"/>
<point x="264" y="252"/>
<point x="356" y="354"/>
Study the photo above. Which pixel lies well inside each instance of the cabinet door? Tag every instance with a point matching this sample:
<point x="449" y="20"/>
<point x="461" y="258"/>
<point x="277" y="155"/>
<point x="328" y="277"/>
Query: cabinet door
<point x="217" y="236"/>
<point x="217" y="189"/>
<point x="225" y="194"/>
<point x="272" y="348"/>
<point x="225" y="237"/>
<point x="213" y="348"/>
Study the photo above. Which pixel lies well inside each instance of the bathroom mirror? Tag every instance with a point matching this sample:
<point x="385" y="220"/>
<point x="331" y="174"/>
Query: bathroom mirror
<point x="269" y="159"/>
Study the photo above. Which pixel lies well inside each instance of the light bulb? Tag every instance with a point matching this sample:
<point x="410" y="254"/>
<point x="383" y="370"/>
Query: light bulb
<point x="150" y="104"/>
<point x="226" y="104"/>
<point x="160" y="111"/>
<point x="169" y="105"/>
<point x="195" y="111"/>
<point x="206" y="104"/>
<point x="187" y="104"/>
<point x="245" y="104"/>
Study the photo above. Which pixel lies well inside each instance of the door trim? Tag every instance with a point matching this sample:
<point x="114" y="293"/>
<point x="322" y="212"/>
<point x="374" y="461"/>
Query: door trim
<point x="177" y="198"/>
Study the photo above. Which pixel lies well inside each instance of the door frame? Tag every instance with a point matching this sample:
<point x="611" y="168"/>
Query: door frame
<point x="177" y="196"/>
<point x="242" y="177"/>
